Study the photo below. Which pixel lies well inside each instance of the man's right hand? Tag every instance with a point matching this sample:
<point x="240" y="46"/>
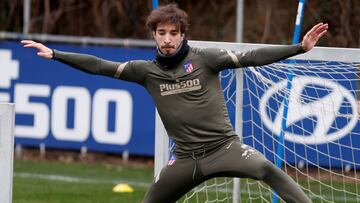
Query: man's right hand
<point x="43" y="50"/>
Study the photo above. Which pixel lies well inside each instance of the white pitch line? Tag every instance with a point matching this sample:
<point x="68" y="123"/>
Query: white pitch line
<point x="79" y="180"/>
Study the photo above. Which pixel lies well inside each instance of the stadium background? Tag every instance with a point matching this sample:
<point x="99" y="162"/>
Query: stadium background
<point x="264" y="22"/>
<point x="270" y="22"/>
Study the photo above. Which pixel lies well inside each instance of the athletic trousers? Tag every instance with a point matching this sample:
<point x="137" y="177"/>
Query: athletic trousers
<point x="232" y="159"/>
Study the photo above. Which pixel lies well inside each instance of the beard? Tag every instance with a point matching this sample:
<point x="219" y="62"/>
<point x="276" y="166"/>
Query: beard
<point x="168" y="49"/>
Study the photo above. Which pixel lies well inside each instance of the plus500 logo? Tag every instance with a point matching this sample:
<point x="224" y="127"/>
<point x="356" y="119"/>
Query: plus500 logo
<point x="90" y="113"/>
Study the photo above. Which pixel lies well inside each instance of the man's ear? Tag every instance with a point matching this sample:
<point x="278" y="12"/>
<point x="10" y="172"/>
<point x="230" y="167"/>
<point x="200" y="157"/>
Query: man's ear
<point x="154" y="33"/>
<point x="182" y="36"/>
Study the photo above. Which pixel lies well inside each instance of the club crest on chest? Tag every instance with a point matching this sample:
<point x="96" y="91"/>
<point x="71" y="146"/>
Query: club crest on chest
<point x="188" y="66"/>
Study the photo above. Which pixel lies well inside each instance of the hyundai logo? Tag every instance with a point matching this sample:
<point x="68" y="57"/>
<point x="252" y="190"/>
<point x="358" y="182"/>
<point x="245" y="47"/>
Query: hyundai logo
<point x="319" y="110"/>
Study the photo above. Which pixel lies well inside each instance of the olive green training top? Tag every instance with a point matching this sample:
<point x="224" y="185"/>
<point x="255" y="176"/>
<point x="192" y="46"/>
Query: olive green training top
<point x="188" y="97"/>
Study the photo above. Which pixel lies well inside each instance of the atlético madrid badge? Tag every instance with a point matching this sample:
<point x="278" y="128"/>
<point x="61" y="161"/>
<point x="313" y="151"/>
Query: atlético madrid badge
<point x="172" y="160"/>
<point x="188" y="66"/>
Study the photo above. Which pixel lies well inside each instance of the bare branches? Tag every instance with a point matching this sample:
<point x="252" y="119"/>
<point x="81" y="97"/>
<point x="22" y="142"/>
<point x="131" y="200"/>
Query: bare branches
<point x="268" y="11"/>
<point x="270" y="21"/>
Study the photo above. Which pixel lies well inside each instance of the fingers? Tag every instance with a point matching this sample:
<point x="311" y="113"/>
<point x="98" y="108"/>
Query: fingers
<point x="27" y="41"/>
<point x="322" y="33"/>
<point x="42" y="54"/>
<point x="33" y="44"/>
<point x="322" y="28"/>
<point x="317" y="31"/>
<point x="319" y="28"/>
<point x="47" y="55"/>
<point x="43" y="50"/>
<point x="30" y="43"/>
<point x="315" y="27"/>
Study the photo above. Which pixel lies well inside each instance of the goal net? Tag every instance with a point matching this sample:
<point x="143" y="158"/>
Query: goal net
<point x="301" y="113"/>
<point x="6" y="151"/>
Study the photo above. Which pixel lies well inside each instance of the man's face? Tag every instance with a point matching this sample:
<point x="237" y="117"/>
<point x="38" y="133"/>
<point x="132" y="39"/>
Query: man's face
<point x="168" y="38"/>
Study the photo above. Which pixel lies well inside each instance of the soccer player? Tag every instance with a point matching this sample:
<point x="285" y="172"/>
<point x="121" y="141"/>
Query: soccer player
<point x="185" y="86"/>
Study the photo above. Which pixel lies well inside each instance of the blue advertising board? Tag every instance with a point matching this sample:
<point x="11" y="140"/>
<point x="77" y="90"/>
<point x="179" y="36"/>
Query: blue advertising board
<point x="62" y="107"/>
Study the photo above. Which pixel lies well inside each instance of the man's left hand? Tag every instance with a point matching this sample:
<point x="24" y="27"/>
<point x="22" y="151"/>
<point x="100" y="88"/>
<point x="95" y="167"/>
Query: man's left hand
<point x="313" y="35"/>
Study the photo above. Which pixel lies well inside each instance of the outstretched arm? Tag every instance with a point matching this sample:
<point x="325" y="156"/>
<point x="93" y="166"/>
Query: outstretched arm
<point x="268" y="55"/>
<point x="133" y="71"/>
<point x="220" y="59"/>
<point x="83" y="62"/>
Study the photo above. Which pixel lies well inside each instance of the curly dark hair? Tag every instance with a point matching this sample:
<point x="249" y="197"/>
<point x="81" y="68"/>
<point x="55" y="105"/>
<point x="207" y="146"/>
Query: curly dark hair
<point x="168" y="14"/>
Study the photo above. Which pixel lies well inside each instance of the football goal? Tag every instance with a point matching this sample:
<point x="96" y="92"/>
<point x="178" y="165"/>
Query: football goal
<point x="301" y="113"/>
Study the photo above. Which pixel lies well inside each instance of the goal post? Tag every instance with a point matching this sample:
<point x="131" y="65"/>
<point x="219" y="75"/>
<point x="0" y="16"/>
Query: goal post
<point x="6" y="151"/>
<point x="322" y="143"/>
<point x="161" y="145"/>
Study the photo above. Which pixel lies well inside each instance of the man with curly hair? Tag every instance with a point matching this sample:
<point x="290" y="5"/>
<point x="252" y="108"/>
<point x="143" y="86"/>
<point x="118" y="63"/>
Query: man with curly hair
<point x="185" y="86"/>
